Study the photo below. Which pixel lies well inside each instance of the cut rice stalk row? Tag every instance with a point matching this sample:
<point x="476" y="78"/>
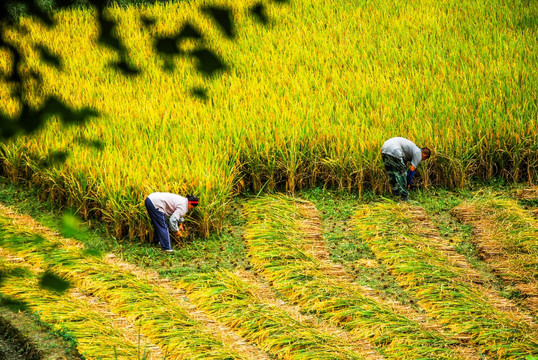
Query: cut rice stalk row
<point x="217" y="330"/>
<point x="507" y="238"/>
<point x="233" y="301"/>
<point x="96" y="335"/>
<point x="152" y="308"/>
<point x="440" y="287"/>
<point x="274" y="239"/>
<point x="423" y="226"/>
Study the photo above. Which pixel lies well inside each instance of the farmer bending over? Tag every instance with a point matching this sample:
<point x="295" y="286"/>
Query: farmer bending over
<point x="159" y="206"/>
<point x="396" y="153"/>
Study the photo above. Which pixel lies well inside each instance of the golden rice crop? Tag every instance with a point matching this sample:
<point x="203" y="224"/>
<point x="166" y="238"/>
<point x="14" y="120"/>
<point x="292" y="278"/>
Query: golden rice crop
<point x="438" y="286"/>
<point x="309" y="99"/>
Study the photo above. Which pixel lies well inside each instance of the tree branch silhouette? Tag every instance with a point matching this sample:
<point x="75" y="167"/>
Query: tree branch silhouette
<point x="29" y="119"/>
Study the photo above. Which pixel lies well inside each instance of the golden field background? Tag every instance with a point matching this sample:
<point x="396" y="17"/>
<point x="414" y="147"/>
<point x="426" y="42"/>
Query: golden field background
<point x="308" y="100"/>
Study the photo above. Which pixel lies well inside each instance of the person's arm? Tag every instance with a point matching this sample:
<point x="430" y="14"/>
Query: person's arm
<point x="176" y="222"/>
<point x="410" y="175"/>
<point x="415" y="161"/>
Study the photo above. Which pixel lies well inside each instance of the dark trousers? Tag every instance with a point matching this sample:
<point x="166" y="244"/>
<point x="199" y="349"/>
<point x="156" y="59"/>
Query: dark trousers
<point x="160" y="225"/>
<point x="397" y="172"/>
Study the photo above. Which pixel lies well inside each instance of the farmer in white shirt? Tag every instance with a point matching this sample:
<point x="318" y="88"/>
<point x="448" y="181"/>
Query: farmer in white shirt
<point x="161" y="205"/>
<point x="396" y="153"/>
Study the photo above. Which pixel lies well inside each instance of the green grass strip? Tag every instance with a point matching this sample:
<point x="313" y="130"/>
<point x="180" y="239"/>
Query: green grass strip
<point x="439" y="287"/>
<point x="274" y="238"/>
<point x="230" y="300"/>
<point x="95" y="335"/>
<point x="153" y="309"/>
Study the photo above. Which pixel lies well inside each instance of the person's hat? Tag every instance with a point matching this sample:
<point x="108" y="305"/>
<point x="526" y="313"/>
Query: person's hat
<point x="193" y="200"/>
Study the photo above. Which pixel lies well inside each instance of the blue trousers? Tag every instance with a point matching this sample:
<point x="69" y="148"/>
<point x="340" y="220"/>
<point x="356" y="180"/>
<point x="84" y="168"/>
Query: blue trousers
<point x="160" y="225"/>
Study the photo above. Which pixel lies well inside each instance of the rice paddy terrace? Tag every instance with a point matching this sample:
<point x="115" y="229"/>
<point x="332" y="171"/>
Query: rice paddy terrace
<point x="317" y="279"/>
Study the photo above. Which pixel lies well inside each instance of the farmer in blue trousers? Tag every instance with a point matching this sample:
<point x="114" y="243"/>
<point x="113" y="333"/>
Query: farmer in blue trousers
<point x="396" y="153"/>
<point x="162" y="205"/>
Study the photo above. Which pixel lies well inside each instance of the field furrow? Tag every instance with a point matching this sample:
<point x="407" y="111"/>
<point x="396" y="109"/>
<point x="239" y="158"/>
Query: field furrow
<point x="507" y="239"/>
<point x="441" y="285"/>
<point x="274" y="237"/>
<point x="262" y="291"/>
<point x="152" y="309"/>
<point x="219" y="331"/>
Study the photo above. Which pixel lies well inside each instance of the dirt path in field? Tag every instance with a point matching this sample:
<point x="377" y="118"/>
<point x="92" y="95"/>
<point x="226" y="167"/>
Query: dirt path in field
<point x="425" y="227"/>
<point x="315" y="245"/>
<point x="219" y="331"/>
<point x="491" y="250"/>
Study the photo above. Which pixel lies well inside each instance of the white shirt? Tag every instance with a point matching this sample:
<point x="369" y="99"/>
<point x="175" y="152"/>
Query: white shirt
<point x="172" y="205"/>
<point x="402" y="148"/>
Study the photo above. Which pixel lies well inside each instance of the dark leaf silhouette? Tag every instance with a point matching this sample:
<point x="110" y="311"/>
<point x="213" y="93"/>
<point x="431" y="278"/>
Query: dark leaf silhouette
<point x="208" y="62"/>
<point x="63" y="4"/>
<point x="30" y="120"/>
<point x="32" y="74"/>
<point x="167" y="45"/>
<point x="107" y="36"/>
<point x="36" y="10"/>
<point x="147" y="21"/>
<point x="69" y="116"/>
<point x="48" y="57"/>
<point x="70" y="225"/>
<point x="223" y="16"/>
<point x="8" y="129"/>
<point x="52" y="282"/>
<point x="95" y="143"/>
<point x="125" y="68"/>
<point x="200" y="93"/>
<point x="56" y="157"/>
<point x="260" y="13"/>
<point x="188" y="31"/>
<point x="15" y="305"/>
<point x="169" y="65"/>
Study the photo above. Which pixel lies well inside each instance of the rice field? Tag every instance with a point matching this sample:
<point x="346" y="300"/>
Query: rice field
<point x="277" y="266"/>
<point x="293" y="297"/>
<point x="307" y="100"/>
